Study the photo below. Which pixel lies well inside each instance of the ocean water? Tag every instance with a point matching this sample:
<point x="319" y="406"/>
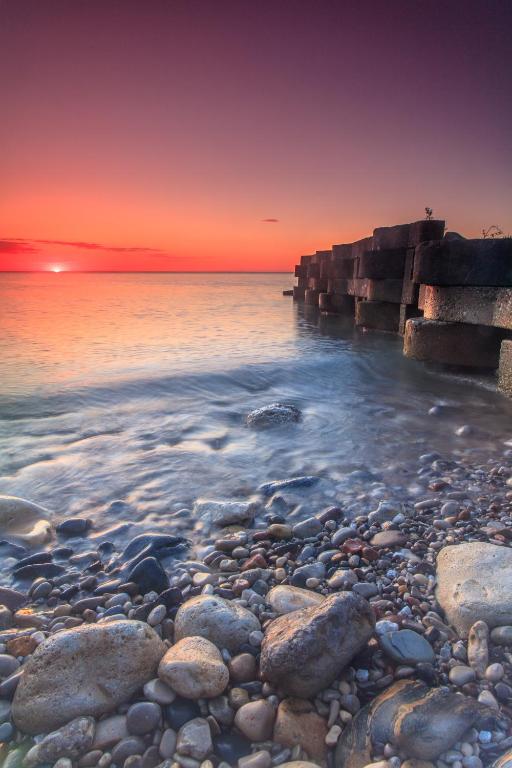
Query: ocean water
<point x="135" y="388"/>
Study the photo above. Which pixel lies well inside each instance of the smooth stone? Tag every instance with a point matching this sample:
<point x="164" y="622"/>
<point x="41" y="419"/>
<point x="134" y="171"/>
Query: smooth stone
<point x="167" y="746"/>
<point x="311" y="571"/>
<point x="226" y="624"/>
<point x="273" y="415"/>
<point x="502" y="635"/>
<point x="255" y="720"/>
<point x="194" y="668"/>
<point x="407" y="647"/>
<point x="194" y="739"/>
<point x="306" y="528"/>
<point x="88" y="670"/>
<point x="297" y="723"/>
<point x="12" y="599"/>
<point x="460" y="675"/>
<point x="388" y="538"/>
<point x="305" y="481"/>
<point x="365" y="589"/>
<point x="231" y="746"/>
<point x="133" y="745"/>
<point x="261" y="759"/>
<point x="304" y="651"/>
<point x="143" y="717"/>
<point x="494" y="673"/>
<point x="478" y="648"/>
<point x="474" y="582"/>
<point x="299" y="764"/>
<point x="341" y="536"/>
<point x="222" y="513"/>
<point x="243" y="668"/>
<point x="419" y="721"/>
<point x="8" y="665"/>
<point x="156" y="690"/>
<point x="284" y="599"/>
<point x="23" y="521"/>
<point x="109" y="732"/>
<point x="221" y="710"/>
<point x="181" y="711"/>
<point x="150" y="576"/>
<point x="74" y="526"/>
<point x="72" y="740"/>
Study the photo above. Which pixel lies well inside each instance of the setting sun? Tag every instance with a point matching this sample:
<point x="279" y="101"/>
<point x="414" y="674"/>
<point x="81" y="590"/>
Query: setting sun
<point x="56" y="269"/>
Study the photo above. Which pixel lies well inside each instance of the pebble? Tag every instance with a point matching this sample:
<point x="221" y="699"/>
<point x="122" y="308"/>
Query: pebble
<point x="461" y="675"/>
<point x="194" y="739"/>
<point x="143" y="717"/>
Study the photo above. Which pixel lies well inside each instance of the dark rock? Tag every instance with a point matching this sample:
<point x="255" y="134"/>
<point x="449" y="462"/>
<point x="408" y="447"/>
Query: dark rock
<point x="150" y="576"/>
<point x="46" y="570"/>
<point x="133" y="745"/>
<point x="230" y="747"/>
<point x="74" y="526"/>
<point x="268" y="489"/>
<point x="304" y="651"/>
<point x="9" y="549"/>
<point x="180" y="711"/>
<point x="420" y="722"/>
<point x="12" y="598"/>
<point x="407" y="647"/>
<point x="143" y="717"/>
<point x="36" y="558"/>
<point x="170" y="597"/>
<point x="273" y="415"/>
<point x="311" y="571"/>
<point x="146" y="545"/>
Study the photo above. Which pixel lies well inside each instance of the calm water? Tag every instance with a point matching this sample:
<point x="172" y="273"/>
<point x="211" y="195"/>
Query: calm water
<point x="135" y="388"/>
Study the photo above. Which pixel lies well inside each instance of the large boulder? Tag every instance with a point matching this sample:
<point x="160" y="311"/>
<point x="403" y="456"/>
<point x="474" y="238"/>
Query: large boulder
<point x="474" y="582"/>
<point x="24" y="521"/>
<point x="194" y="668"/>
<point x="221" y="513"/>
<point x="420" y="722"/>
<point x="88" y="670"/>
<point x="224" y="623"/>
<point x="272" y="416"/>
<point x="304" y="651"/>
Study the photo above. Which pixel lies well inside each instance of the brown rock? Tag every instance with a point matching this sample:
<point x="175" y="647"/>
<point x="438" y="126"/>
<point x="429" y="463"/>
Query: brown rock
<point x="298" y="723"/>
<point x="256" y="720"/>
<point x="21" y="646"/>
<point x="388" y="538"/>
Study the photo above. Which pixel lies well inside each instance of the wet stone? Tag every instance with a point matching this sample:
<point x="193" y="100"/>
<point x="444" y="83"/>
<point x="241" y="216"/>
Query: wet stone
<point x="407" y="647"/>
<point x="143" y="717"/>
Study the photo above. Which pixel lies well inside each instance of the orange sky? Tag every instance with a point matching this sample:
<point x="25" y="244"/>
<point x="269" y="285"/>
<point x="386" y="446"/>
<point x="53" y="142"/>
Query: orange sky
<point x="235" y="136"/>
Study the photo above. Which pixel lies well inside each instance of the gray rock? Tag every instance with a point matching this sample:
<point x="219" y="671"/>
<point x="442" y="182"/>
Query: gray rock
<point x="311" y="571"/>
<point x="305" y="481"/>
<point x="460" y="675"/>
<point x="474" y="582"/>
<point x="8" y="665"/>
<point x="143" y="717"/>
<point x="133" y="745"/>
<point x="194" y="739"/>
<point x="88" y="670"/>
<point x="284" y="599"/>
<point x="222" y="513"/>
<point x="502" y="635"/>
<point x="272" y="416"/>
<point x="341" y="535"/>
<point x="407" y="647"/>
<point x="194" y="668"/>
<point x="71" y="741"/>
<point x="224" y="623"/>
<point x="365" y="589"/>
<point x="420" y="722"/>
<point x="109" y="732"/>
<point x="23" y="521"/>
<point x="304" y="651"/>
<point x="306" y="528"/>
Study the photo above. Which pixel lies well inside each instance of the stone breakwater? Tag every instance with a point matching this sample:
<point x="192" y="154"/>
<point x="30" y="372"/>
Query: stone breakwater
<point x="450" y="297"/>
<point x="377" y="632"/>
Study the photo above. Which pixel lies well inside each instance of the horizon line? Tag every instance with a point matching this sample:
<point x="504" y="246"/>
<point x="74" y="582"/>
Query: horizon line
<point x="145" y="272"/>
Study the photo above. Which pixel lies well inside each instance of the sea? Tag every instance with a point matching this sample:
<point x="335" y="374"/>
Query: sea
<point x="123" y="398"/>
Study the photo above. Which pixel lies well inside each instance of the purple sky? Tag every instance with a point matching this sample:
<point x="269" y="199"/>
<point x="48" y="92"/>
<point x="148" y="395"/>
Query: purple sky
<point x="156" y="134"/>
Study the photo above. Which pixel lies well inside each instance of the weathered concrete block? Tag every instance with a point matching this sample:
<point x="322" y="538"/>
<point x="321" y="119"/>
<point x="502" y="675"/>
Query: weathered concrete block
<point x="336" y="304"/>
<point x="342" y="251"/>
<point x="383" y="265"/>
<point x="361" y="246"/>
<point x="421" y="297"/>
<point x="427" y="229"/>
<point x="302" y="282"/>
<point x="407" y="311"/>
<point x="472" y="346"/>
<point x="305" y="261"/>
<point x="409" y="287"/>
<point x="380" y="315"/>
<point x="298" y="293"/>
<point x="385" y="290"/>
<point x="505" y="369"/>
<point x="314" y="270"/>
<point x="478" y="306"/>
<point x="311" y="297"/>
<point x="300" y="271"/>
<point x="358" y="287"/>
<point x="342" y="268"/>
<point x="385" y="238"/>
<point x="337" y="285"/>
<point x="485" y="262"/>
<point x="318" y="283"/>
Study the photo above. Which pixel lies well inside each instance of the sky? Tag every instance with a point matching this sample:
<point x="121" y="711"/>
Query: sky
<point x="190" y="135"/>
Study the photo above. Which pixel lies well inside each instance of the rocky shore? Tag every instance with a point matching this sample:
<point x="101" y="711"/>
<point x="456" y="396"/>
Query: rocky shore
<point x="376" y="632"/>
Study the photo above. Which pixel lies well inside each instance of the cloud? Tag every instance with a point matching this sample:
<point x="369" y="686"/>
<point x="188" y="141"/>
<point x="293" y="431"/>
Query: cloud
<point x="17" y="245"/>
<point x="270" y="221"/>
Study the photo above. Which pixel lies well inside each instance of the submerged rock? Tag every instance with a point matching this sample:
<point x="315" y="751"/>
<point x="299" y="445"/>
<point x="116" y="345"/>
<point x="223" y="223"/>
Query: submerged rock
<point x="303" y="651"/>
<point x="474" y="582"/>
<point x="419" y="721"/>
<point x="222" y="513"/>
<point x="88" y="670"/>
<point x="306" y="481"/>
<point x="224" y="623"/>
<point x="23" y="521"/>
<point x="273" y="415"/>
<point x="156" y="545"/>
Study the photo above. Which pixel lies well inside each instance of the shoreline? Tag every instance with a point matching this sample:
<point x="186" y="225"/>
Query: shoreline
<point x="380" y="565"/>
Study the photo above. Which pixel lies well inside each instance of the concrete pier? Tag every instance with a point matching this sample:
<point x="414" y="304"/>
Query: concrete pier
<point x="449" y="296"/>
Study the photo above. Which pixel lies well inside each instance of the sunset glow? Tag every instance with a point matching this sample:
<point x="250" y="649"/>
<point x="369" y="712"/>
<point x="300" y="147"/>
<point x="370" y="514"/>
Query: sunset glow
<point x="230" y="136"/>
